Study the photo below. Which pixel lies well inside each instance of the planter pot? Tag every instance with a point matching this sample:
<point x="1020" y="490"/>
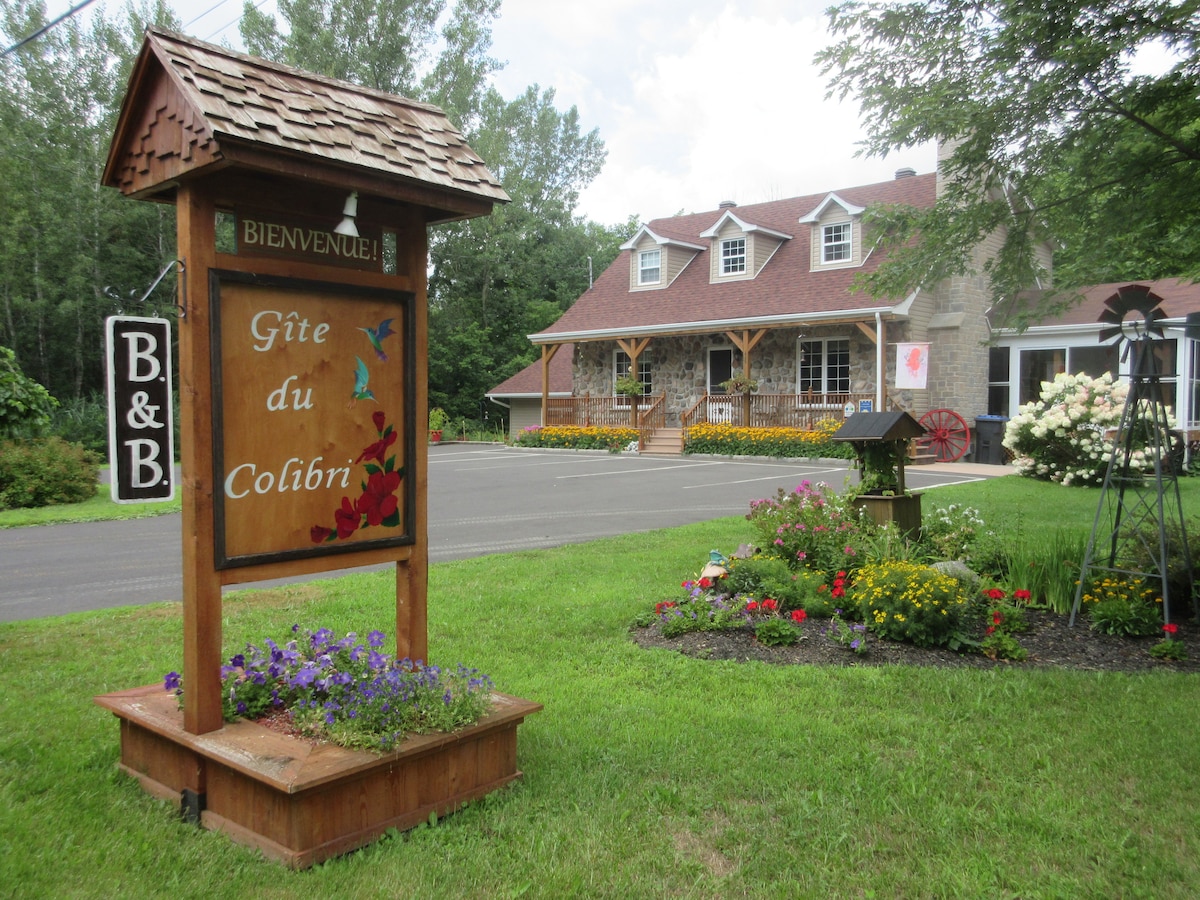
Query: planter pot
<point x="435" y="436"/>
<point x="302" y="802"/>
<point x="904" y="510"/>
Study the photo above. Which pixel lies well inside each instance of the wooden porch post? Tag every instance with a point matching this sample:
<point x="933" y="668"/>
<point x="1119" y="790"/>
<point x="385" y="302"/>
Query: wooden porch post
<point x="746" y="341"/>
<point x="548" y="351"/>
<point x="633" y="349"/>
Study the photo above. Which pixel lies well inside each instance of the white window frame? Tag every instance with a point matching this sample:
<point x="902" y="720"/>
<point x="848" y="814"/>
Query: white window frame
<point x="733" y="256"/>
<point x="621" y="369"/>
<point x="825" y="377"/>
<point x="837" y="246"/>
<point x="643" y="268"/>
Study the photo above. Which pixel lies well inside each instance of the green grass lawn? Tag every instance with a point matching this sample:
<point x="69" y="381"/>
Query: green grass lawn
<point x="648" y="774"/>
<point x="99" y="508"/>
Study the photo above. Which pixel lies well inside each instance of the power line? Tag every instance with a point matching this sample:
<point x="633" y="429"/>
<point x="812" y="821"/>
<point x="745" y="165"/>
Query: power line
<point x="37" y="34"/>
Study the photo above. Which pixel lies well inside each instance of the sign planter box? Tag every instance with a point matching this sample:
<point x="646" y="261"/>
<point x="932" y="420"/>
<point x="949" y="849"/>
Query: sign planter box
<point x="301" y="802"/>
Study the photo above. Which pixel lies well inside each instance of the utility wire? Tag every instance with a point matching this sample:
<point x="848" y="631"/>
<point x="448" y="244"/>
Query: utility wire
<point x="37" y="34"/>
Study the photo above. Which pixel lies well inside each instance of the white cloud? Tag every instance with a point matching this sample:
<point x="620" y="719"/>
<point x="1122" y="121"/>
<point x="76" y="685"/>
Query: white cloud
<point x="696" y="102"/>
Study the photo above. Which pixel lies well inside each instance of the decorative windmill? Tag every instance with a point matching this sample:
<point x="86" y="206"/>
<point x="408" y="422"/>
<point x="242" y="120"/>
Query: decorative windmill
<point x="1142" y="497"/>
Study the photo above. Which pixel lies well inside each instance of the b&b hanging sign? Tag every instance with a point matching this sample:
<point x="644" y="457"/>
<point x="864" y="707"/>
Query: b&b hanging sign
<point x="141" y="448"/>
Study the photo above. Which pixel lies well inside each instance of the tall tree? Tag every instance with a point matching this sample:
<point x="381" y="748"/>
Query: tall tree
<point x="63" y="238"/>
<point x="1057" y="128"/>
<point x="497" y="279"/>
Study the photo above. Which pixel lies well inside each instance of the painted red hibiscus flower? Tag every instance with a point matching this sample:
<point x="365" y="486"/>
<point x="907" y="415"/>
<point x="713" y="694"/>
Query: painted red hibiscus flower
<point x="378" y="504"/>
<point x="347" y="519"/>
<point x="378" y="500"/>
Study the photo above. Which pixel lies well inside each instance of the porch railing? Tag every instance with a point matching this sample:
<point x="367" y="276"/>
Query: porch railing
<point x="771" y="410"/>
<point x="607" y="412"/>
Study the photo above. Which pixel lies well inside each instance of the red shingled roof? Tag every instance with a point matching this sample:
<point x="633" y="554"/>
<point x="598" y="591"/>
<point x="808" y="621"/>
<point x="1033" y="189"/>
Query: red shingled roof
<point x="528" y="382"/>
<point x="786" y="286"/>
<point x="1178" y="299"/>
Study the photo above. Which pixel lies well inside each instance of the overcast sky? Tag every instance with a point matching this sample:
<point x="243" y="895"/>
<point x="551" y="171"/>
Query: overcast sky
<point x="697" y="101"/>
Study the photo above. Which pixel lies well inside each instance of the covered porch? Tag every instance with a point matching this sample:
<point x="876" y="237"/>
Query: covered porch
<point x="807" y="370"/>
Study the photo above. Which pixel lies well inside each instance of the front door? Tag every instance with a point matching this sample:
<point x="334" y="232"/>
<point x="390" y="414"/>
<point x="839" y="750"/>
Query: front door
<point x="720" y="368"/>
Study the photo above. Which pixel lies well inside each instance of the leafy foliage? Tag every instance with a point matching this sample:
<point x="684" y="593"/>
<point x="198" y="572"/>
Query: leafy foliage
<point x="809" y="528"/>
<point x="41" y="472"/>
<point x="905" y="601"/>
<point x="25" y="406"/>
<point x="783" y="443"/>
<point x="1052" y="129"/>
<point x="1062" y="436"/>
<point x="578" y="437"/>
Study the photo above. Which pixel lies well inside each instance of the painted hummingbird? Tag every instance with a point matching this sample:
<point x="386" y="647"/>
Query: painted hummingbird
<point x="376" y="336"/>
<point x="361" y="376"/>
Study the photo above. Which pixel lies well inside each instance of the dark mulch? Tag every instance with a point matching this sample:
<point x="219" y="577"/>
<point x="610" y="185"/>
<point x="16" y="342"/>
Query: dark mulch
<point x="1049" y="641"/>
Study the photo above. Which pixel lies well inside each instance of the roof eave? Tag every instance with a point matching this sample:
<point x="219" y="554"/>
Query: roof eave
<point x="701" y="327"/>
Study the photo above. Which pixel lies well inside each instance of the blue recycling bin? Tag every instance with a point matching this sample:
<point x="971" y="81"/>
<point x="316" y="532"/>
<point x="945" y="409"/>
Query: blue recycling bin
<point x="989" y="439"/>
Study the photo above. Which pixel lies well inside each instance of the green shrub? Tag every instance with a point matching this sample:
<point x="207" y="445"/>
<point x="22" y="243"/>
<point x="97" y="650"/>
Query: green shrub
<point x="777" y="632"/>
<point x="905" y="601"/>
<point x="25" y="406"/>
<point x="577" y="437"/>
<point x="83" y="421"/>
<point x="810" y="528"/>
<point x="1125" y="617"/>
<point x="950" y="532"/>
<point x="45" y="471"/>
<point x="1122" y="606"/>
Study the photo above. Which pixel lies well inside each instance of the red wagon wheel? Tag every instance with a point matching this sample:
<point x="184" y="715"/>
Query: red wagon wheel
<point x="946" y="434"/>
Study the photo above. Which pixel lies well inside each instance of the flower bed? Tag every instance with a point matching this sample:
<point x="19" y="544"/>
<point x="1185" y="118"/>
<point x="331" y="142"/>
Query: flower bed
<point x="577" y="437"/>
<point x="814" y="558"/>
<point x="732" y="440"/>
<point x="347" y="691"/>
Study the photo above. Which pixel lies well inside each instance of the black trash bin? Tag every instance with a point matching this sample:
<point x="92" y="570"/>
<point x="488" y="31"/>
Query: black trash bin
<point x="989" y="438"/>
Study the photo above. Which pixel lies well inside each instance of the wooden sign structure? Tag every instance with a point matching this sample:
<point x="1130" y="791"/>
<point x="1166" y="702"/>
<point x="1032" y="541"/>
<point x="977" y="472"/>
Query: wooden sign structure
<point x="302" y="205"/>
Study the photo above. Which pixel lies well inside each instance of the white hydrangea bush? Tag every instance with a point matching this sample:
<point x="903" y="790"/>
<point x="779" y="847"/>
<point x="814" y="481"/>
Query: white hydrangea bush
<point x="1066" y="436"/>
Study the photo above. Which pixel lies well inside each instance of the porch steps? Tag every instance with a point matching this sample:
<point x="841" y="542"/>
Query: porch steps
<point x="664" y="442"/>
<point x="920" y="454"/>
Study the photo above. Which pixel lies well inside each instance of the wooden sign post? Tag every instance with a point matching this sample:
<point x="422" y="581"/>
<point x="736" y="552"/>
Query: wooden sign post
<point x="302" y="205"/>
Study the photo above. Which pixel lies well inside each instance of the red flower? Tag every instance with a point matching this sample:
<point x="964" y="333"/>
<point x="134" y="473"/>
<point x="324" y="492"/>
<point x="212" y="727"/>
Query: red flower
<point x="841" y="574"/>
<point x="798" y="616"/>
<point x="666" y="604"/>
<point x="1170" y="628"/>
<point x="994" y="594"/>
<point x="991" y="629"/>
<point x="1022" y="595"/>
<point x="378" y="501"/>
<point x="770" y="605"/>
<point x="752" y="606"/>
<point x="705" y="583"/>
<point x="997" y="618"/>
<point x="320" y="533"/>
<point x="377" y="450"/>
<point x="822" y="588"/>
<point x="379" y="420"/>
<point x="347" y="519"/>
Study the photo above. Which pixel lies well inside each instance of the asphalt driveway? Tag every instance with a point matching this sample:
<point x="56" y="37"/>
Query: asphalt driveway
<point x="482" y="499"/>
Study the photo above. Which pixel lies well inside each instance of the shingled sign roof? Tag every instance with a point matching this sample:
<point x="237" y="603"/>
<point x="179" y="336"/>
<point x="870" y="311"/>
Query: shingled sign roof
<point x="192" y="106"/>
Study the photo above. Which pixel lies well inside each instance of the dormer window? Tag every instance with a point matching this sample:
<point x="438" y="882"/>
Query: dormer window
<point x="836" y="242"/>
<point x="649" y="267"/>
<point x="733" y="256"/>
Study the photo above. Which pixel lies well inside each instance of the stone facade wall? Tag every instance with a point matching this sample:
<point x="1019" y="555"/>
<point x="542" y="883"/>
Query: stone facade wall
<point x="680" y="364"/>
